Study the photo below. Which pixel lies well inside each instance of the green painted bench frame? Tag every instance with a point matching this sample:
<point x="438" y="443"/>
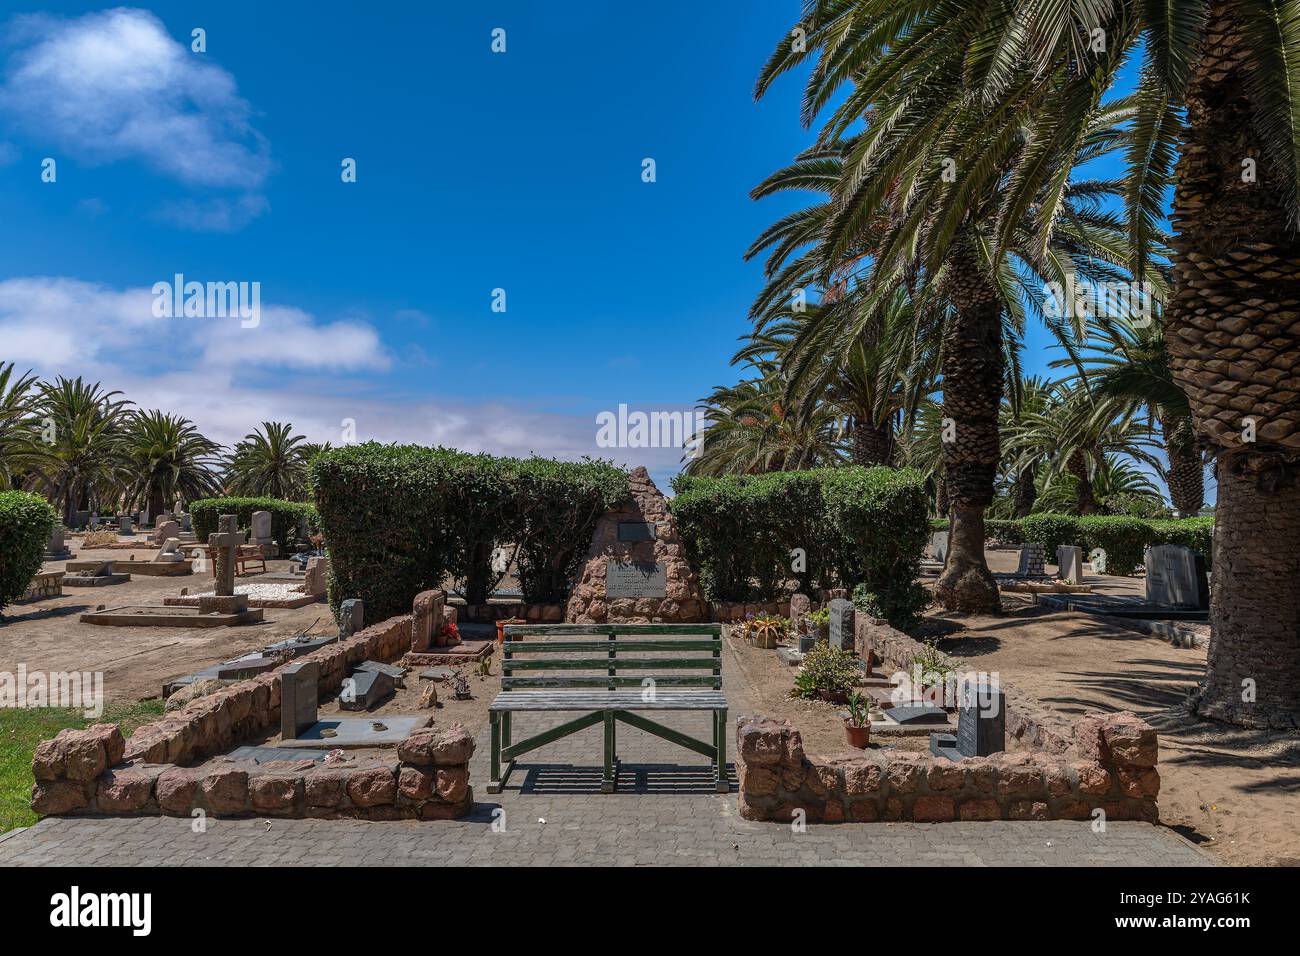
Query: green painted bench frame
<point x="701" y="650"/>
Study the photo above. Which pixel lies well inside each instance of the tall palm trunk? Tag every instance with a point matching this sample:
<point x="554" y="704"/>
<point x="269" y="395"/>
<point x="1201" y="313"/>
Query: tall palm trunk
<point x="1233" y="333"/>
<point x="1185" y="475"/>
<point x="1085" y="499"/>
<point x="1024" y="492"/>
<point x="972" y="368"/>
<point x="872" y="444"/>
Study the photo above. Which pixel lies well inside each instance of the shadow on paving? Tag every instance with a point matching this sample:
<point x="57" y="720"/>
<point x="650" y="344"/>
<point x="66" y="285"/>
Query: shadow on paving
<point x="640" y="779"/>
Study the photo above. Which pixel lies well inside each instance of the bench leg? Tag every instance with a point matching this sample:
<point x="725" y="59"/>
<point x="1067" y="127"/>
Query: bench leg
<point x="494" y="782"/>
<point x="608" y="781"/>
<point x="720" y="739"/>
<point x="506" y="736"/>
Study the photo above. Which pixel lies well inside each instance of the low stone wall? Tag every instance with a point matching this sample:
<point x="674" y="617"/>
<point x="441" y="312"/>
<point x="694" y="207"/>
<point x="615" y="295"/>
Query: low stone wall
<point x="890" y="650"/>
<point x="46" y="584"/>
<point x="727" y="612"/>
<point x="95" y="770"/>
<point x="1115" y="771"/>
<point x="83" y="772"/>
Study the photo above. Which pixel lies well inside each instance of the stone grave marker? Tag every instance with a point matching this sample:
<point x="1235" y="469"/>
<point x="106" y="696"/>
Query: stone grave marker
<point x="1069" y="563"/>
<point x="261" y="529"/>
<point x="981" y="725"/>
<point x="398" y="674"/>
<point x="1097" y="557"/>
<point x="635" y="579"/>
<point x="352" y="614"/>
<point x="124" y="525"/>
<point x="800" y="607"/>
<point x="165" y="530"/>
<point x="1033" y="563"/>
<point x="170" y="553"/>
<point x="226" y="543"/>
<point x="426" y="615"/>
<point x="314" y="578"/>
<point x="841" y="624"/>
<point x="939" y="545"/>
<point x="365" y="689"/>
<point x="55" y="549"/>
<point x="298" y="698"/>
<point x="1176" y="577"/>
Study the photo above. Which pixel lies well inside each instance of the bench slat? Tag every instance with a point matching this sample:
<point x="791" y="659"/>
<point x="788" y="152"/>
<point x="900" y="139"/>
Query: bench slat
<point x="608" y="700"/>
<point x="564" y="630"/>
<point x="617" y="663"/>
<point x="703" y="680"/>
<point x="617" y="645"/>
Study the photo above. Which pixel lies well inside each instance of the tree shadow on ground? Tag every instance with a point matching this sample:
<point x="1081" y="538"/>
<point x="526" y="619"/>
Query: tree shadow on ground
<point x="42" y="614"/>
<point x="641" y="779"/>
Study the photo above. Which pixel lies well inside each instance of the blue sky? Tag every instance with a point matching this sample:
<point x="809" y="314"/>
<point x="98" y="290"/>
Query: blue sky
<point x="476" y="171"/>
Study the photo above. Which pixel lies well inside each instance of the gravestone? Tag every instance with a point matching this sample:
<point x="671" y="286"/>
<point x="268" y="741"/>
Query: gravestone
<point x="939" y="545"/>
<point x="396" y="672"/>
<point x="225" y="544"/>
<point x="841" y="624"/>
<point x="351" y="617"/>
<point x="1097" y="557"/>
<point x="1176" y="577"/>
<point x="187" y="522"/>
<point x="981" y="725"/>
<point x="635" y="570"/>
<point x="55" y="549"/>
<point x="313" y="581"/>
<point x="1032" y="561"/>
<point x="365" y="689"/>
<point x="1069" y="563"/>
<point x="260" y="534"/>
<point x="165" y="530"/>
<point x="94" y="521"/>
<point x="800" y="606"/>
<point x="298" y="698"/>
<point x="124" y="525"/>
<point x="426" y="617"/>
<point x="170" y="553"/>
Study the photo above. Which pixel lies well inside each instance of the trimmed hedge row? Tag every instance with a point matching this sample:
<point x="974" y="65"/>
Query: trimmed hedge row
<point x="285" y="516"/>
<point x="1123" y="539"/>
<point x="26" y="521"/>
<point x="747" y="535"/>
<point x="399" y="519"/>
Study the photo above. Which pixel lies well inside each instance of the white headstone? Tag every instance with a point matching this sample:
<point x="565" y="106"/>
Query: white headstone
<point x="939" y="545"/>
<point x="261" y="528"/>
<point x="1098" y="559"/>
<point x="170" y="552"/>
<point x="1069" y="563"/>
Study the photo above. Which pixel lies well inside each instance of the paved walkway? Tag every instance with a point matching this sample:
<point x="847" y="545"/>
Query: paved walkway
<point x="665" y="813"/>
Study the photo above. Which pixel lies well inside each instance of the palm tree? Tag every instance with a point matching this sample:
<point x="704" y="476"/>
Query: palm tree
<point x="169" y="460"/>
<point x="1117" y="483"/>
<point x="1127" y="362"/>
<point x="80" y="455"/>
<point x="17" y="427"/>
<point x="750" y="429"/>
<point x="900" y="200"/>
<point x="1034" y="397"/>
<point x="270" y="462"/>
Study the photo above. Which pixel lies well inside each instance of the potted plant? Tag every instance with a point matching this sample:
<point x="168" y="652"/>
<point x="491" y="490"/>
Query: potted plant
<point x="767" y="630"/>
<point x="857" y="725"/>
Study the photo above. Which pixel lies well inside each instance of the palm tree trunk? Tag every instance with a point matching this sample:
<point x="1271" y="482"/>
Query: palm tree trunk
<point x="972" y="397"/>
<point x="1185" y="475"/>
<point x="1085" y="500"/>
<point x="872" y="444"/>
<point x="1233" y="333"/>
<point x="1024" y="492"/>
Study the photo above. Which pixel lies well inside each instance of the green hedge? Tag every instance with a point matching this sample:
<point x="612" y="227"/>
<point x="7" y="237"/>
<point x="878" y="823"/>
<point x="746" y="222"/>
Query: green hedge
<point x="285" y="516"/>
<point x="1003" y="532"/>
<point x="399" y="519"/>
<point x="855" y="526"/>
<point x="1124" y="539"/>
<point x="26" y="521"/>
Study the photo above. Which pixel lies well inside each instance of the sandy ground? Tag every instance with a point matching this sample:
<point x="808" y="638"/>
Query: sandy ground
<point x="46" y="635"/>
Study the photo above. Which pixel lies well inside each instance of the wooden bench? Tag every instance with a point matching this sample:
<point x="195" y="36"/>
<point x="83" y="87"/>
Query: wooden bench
<point x="245" y="555"/>
<point x="632" y="682"/>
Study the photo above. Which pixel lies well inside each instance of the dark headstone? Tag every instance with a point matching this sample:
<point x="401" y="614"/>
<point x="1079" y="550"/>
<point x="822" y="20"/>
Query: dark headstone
<point x="365" y="689"/>
<point x="981" y="725"/>
<point x="297" y="647"/>
<point x="246" y="667"/>
<point x="1176" y="577"/>
<point x="913" y="714"/>
<point x="298" y="698"/>
<point x="841" y="624"/>
<point x="398" y="674"/>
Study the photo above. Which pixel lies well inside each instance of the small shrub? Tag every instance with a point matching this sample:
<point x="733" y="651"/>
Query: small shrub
<point x="900" y="604"/>
<point x="1003" y="532"/>
<point x="1123" y="539"/>
<point x="26" y="521"/>
<point x="936" y="668"/>
<point x="827" y="671"/>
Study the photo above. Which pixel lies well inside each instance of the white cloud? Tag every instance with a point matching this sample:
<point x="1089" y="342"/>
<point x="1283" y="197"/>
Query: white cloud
<point x="116" y="86"/>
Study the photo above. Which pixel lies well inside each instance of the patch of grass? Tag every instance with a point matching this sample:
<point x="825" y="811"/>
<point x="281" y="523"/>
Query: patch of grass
<point x="22" y="729"/>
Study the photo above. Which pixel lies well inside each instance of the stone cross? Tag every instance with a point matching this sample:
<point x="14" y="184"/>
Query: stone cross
<point x="226" y="544"/>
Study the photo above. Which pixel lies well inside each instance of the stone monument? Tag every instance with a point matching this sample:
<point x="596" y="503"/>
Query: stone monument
<point x="260" y="534"/>
<point x="841" y="624"/>
<point x="1176" y="577"/>
<point x="636" y="570"/>
<point x="1069" y="563"/>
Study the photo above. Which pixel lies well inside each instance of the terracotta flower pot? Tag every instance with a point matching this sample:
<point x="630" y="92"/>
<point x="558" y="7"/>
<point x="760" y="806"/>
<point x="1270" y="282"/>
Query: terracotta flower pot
<point x="859" y="737"/>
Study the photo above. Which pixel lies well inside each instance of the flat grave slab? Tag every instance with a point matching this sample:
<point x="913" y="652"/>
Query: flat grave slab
<point x="912" y="720"/>
<point x="270" y="594"/>
<point x="165" y="569"/>
<point x="141" y="615"/>
<point x="299" y="646"/>
<point x="273" y="754"/>
<point x="398" y="674"/>
<point x="465" y="651"/>
<point x="352" y="732"/>
<point x="245" y="667"/>
<point x="791" y="655"/>
<point x="437" y="673"/>
<point x="94" y="581"/>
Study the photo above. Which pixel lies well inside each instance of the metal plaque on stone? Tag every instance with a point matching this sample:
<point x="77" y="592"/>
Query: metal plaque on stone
<point x="636" y="579"/>
<point x="636" y="531"/>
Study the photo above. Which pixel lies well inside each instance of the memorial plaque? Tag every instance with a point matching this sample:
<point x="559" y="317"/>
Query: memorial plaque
<point x="636" y="531"/>
<point x="981" y="725"/>
<point x="633" y="579"/>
